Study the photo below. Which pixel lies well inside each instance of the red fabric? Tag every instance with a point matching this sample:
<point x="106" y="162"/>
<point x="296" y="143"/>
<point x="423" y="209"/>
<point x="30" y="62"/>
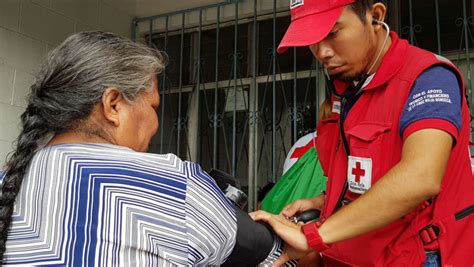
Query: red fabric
<point x="299" y="152"/>
<point x="313" y="238"/>
<point x="311" y="21"/>
<point x="439" y="124"/>
<point x="372" y="130"/>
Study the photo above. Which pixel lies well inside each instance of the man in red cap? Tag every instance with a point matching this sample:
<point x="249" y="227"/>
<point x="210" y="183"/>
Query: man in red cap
<point x="395" y="148"/>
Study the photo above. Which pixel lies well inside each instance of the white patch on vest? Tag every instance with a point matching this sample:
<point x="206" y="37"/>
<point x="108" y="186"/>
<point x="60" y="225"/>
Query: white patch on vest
<point x="429" y="96"/>
<point x="336" y="107"/>
<point x="296" y="3"/>
<point x="359" y="174"/>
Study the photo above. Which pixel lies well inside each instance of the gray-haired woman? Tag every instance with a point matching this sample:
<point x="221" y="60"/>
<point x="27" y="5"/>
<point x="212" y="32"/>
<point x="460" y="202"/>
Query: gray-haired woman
<point x="80" y="190"/>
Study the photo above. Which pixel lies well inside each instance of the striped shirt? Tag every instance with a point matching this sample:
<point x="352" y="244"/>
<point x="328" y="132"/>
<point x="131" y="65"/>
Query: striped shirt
<point x="105" y="205"/>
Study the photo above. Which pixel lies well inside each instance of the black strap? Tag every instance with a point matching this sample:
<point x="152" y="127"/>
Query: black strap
<point x="348" y="152"/>
<point x="352" y="93"/>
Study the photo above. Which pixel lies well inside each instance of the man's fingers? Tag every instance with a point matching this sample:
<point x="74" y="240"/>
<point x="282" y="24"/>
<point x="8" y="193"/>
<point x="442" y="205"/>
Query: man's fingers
<point x="290" y="209"/>
<point x="260" y="215"/>
<point x="269" y="218"/>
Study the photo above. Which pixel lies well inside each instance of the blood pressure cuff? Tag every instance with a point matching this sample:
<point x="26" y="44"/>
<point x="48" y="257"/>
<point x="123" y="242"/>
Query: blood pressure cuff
<point x="253" y="244"/>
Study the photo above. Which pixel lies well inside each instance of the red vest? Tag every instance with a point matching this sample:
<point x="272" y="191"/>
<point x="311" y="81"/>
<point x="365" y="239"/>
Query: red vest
<point x="372" y="129"/>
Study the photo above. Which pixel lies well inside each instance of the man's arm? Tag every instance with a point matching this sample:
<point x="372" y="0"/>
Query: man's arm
<point x="416" y="178"/>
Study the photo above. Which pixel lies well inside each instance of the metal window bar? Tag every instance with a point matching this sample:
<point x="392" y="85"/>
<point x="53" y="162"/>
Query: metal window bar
<point x="411" y="28"/>
<point x="466" y="39"/>
<point x="253" y="172"/>
<point x="274" y="94"/>
<point x="295" y="78"/>
<point x="163" y="87"/>
<point x="180" y="123"/>
<point x="214" y="162"/>
<point x="438" y="30"/>
<point x="197" y="92"/>
<point x="234" y="113"/>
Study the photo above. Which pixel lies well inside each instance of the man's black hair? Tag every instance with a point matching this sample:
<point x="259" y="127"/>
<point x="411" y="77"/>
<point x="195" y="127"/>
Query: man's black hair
<point x="360" y="7"/>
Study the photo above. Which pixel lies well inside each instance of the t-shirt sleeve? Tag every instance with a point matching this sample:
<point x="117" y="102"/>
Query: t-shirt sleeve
<point x="210" y="219"/>
<point x="275" y="253"/>
<point x="434" y="102"/>
<point x="211" y="222"/>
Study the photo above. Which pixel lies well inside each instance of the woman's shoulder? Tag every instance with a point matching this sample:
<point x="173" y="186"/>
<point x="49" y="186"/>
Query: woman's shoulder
<point x="114" y="155"/>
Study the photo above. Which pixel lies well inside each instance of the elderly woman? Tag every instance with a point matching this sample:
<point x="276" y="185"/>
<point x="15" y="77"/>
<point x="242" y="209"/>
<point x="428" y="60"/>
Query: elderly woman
<point x="80" y="188"/>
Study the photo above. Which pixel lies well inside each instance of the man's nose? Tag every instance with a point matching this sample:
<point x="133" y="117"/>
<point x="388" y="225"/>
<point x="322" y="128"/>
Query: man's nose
<point x="322" y="51"/>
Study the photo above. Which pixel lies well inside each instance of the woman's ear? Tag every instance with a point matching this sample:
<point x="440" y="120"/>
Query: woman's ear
<point x="112" y="101"/>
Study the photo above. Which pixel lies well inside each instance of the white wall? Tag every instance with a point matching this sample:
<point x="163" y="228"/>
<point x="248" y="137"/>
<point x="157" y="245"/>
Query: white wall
<point x="28" y="30"/>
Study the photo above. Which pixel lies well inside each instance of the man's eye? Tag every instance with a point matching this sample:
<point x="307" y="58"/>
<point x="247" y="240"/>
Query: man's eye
<point x="333" y="33"/>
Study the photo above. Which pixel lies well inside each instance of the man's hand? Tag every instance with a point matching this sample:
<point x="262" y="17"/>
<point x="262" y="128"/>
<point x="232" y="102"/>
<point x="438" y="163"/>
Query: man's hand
<point x="302" y="205"/>
<point x="296" y="245"/>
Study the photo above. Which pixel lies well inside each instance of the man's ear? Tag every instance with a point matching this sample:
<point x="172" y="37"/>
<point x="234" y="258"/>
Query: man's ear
<point x="112" y="101"/>
<point x="377" y="11"/>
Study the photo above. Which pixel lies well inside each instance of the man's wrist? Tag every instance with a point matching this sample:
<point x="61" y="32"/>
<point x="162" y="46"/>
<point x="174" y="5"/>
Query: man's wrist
<point x="318" y="201"/>
<point x="313" y="237"/>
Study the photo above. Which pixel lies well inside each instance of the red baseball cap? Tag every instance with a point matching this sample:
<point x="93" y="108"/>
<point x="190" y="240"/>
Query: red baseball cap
<point x="311" y="21"/>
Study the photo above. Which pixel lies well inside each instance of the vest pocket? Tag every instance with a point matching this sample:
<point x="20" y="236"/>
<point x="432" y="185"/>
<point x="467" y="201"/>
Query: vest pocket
<point x="368" y="140"/>
<point x="364" y="134"/>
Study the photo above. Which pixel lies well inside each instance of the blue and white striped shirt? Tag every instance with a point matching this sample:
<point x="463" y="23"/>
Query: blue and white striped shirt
<point x="105" y="205"/>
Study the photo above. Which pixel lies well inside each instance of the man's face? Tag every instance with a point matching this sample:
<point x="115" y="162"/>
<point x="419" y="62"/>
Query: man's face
<point x="141" y="120"/>
<point x="347" y="52"/>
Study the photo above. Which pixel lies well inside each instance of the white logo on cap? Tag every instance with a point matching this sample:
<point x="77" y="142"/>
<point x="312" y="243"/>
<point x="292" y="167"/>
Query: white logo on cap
<point x="296" y="3"/>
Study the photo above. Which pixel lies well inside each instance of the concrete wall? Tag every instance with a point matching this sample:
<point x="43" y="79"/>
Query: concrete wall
<point x="28" y="30"/>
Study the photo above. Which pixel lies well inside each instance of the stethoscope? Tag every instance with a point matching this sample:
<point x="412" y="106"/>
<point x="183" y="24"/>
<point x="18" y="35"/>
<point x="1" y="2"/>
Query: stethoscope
<point x="351" y="93"/>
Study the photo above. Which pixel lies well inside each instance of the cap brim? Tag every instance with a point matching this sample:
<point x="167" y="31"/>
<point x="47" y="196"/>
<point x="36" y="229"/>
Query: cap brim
<point x="310" y="29"/>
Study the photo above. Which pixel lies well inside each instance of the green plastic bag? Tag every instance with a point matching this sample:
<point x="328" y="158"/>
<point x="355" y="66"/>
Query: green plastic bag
<point x="305" y="179"/>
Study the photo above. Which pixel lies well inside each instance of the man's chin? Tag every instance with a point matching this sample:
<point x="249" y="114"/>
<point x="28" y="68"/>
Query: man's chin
<point x="345" y="77"/>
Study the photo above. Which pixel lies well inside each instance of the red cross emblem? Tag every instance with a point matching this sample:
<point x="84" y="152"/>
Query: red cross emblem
<point x="358" y="172"/>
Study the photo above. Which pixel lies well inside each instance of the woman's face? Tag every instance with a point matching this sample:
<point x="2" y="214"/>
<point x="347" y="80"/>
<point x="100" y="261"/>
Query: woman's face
<point x="140" y="121"/>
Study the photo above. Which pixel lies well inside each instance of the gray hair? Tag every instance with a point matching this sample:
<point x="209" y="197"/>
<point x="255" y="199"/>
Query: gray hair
<point x="70" y="83"/>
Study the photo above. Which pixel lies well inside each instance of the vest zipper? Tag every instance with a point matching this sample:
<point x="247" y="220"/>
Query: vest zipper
<point x="464" y="213"/>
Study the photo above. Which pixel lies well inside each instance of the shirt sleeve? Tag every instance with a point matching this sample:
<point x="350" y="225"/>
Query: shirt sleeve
<point x="212" y="223"/>
<point x="276" y="253"/>
<point x="210" y="219"/>
<point x="434" y="102"/>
